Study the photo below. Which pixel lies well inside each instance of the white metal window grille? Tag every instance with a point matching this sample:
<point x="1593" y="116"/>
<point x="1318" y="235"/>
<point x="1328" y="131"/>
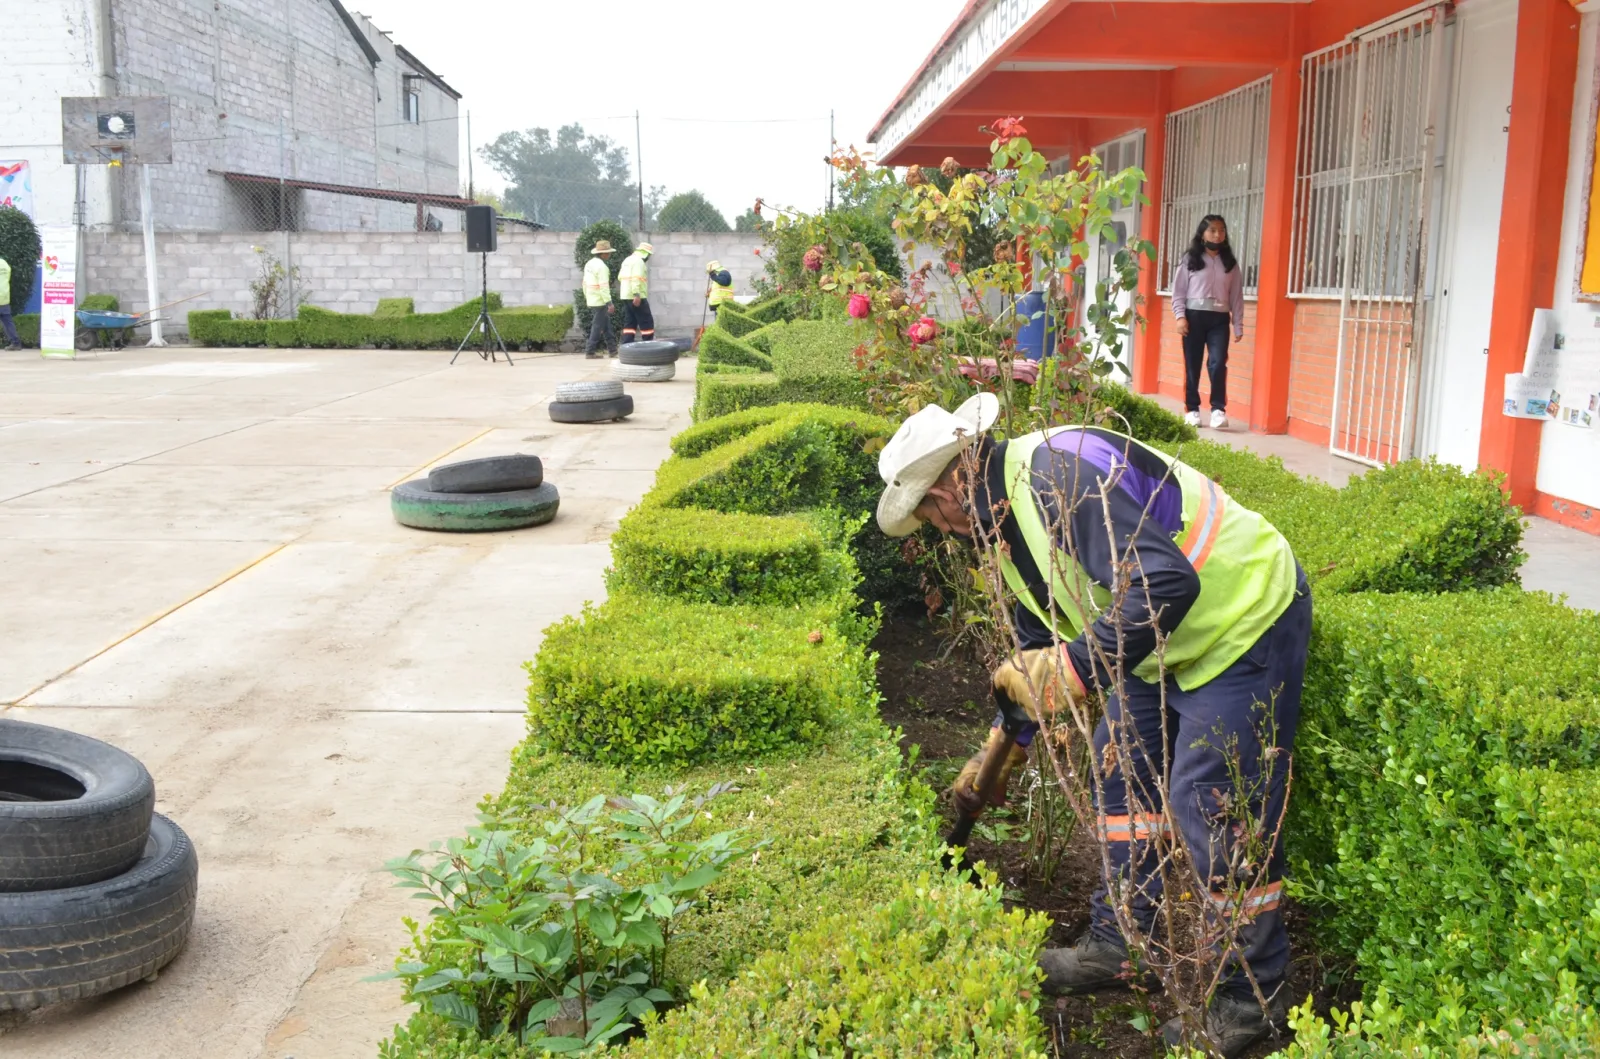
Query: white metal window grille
<point x="1216" y="162"/>
<point x="1367" y="123"/>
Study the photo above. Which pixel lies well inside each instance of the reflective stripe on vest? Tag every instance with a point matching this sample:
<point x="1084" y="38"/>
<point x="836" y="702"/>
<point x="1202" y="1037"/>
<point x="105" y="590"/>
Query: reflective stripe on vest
<point x="720" y="294"/>
<point x="1246" y="568"/>
<point x="633" y="278"/>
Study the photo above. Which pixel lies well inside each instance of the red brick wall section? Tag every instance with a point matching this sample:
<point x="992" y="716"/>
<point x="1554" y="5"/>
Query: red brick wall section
<point x="1311" y="362"/>
<point x="1241" y="363"/>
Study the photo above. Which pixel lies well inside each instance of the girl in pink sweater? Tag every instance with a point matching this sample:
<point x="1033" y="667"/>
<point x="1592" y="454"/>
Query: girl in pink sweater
<point x="1208" y="297"/>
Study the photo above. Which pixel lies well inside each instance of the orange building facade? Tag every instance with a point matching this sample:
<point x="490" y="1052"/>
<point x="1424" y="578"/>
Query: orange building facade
<point x="1405" y="184"/>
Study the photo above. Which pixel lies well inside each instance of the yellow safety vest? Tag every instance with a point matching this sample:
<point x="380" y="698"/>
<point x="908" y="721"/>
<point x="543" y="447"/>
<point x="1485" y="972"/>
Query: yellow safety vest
<point x="1246" y="568"/>
<point x="5" y="282"/>
<point x="596" y="283"/>
<point x="720" y="294"/>
<point x="635" y="283"/>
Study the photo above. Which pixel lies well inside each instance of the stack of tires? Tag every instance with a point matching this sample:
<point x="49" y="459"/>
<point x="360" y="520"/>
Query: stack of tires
<point x="590" y="402"/>
<point x="475" y="496"/>
<point x="646" y="362"/>
<point x="97" y="890"/>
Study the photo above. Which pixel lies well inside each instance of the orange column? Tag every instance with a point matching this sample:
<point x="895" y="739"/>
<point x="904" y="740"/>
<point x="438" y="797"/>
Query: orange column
<point x="1530" y="217"/>
<point x="1274" y="322"/>
<point x="1147" y="340"/>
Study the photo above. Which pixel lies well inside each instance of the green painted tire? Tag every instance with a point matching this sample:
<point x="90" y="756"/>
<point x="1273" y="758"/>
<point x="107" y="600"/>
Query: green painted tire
<point x="419" y="507"/>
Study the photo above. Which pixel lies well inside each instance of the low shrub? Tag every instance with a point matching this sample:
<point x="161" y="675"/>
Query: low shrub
<point x="1141" y="417"/>
<point x="761" y="338"/>
<point x="810" y="362"/>
<point x="732" y="319"/>
<point x="395" y="307"/>
<point x="703" y="437"/>
<point x="778" y="308"/>
<point x="649" y="680"/>
<point x="712" y="557"/>
<point x="941" y="969"/>
<point x="721" y="347"/>
<point x="520" y="326"/>
<point x="720" y="393"/>
<point x="1446" y="783"/>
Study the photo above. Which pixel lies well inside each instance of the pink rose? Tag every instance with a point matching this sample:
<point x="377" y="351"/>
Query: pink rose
<point x="923" y="331"/>
<point x="813" y="259"/>
<point x="860" y="306"/>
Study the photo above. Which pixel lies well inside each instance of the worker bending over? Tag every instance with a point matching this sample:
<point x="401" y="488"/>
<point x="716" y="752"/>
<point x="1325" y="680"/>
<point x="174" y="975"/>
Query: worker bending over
<point x="719" y="283"/>
<point x="1084" y="507"/>
<point x="637" y="322"/>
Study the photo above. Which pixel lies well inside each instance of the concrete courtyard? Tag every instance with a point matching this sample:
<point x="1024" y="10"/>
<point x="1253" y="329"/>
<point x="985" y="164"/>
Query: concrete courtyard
<point x="201" y="567"/>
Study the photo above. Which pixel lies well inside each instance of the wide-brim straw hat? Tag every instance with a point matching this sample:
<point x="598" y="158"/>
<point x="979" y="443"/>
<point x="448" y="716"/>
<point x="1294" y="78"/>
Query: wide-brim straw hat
<point x="920" y="451"/>
<point x="602" y="247"/>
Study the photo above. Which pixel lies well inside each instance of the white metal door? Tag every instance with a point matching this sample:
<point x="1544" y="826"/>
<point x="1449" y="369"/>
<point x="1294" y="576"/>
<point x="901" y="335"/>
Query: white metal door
<point x="1397" y="70"/>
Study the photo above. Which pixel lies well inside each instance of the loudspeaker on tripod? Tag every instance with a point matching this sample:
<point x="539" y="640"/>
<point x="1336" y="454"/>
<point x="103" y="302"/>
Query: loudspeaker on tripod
<point x="480" y="230"/>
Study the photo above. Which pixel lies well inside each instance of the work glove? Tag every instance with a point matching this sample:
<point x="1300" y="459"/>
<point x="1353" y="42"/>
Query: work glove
<point x="1046" y="672"/>
<point x="964" y="791"/>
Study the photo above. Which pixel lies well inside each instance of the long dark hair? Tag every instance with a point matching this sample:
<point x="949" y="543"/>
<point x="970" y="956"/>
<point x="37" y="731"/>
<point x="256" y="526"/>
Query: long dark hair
<point x="1197" y="246"/>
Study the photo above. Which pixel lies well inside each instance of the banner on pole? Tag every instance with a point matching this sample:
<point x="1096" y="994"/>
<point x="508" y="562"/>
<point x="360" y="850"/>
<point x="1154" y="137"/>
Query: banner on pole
<point x="16" y="186"/>
<point x="59" y="302"/>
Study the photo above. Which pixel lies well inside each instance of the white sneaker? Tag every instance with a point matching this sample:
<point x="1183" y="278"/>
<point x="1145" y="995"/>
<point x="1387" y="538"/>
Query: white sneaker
<point x="1192" y="418"/>
<point x="1219" y="419"/>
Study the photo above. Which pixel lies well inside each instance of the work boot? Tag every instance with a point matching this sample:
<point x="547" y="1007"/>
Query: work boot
<point x="1090" y="965"/>
<point x="1234" y="1023"/>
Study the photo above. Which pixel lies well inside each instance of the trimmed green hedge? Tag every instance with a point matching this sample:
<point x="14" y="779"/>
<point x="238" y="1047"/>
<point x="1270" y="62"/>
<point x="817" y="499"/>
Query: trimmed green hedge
<point x="810" y="361"/>
<point x="719" y="347"/>
<point x="779" y="308"/>
<point x="1418" y="526"/>
<point x="394" y="326"/>
<point x="878" y="984"/>
<point x="1446" y="784"/>
<point x="27" y="324"/>
<point x="648" y="680"/>
<point x="732" y="319"/>
<point x="712" y="557"/>
<point x="1141" y="417"/>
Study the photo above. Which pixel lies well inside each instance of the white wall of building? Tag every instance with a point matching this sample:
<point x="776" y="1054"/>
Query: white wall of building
<point x="1454" y="368"/>
<point x="1569" y="458"/>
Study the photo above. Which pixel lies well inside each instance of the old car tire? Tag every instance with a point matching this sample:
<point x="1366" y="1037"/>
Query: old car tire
<point x="491" y="474"/>
<point x="643" y="373"/>
<point x="415" y="505"/>
<point x="578" y="392"/>
<point x="73" y="810"/>
<point x="82" y="941"/>
<point x="591" y="411"/>
<point x="647" y="354"/>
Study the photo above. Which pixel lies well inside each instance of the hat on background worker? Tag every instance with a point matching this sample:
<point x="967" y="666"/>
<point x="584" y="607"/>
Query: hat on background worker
<point x="714" y="266"/>
<point x="602" y="247"/>
<point x="646" y="249"/>
<point x="920" y="450"/>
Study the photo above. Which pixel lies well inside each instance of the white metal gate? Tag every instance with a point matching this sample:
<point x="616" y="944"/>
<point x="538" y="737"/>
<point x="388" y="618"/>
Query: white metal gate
<point x="1376" y="92"/>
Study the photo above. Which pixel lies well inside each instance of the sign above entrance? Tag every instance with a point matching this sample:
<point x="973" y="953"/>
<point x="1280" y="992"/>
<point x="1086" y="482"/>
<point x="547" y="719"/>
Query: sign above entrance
<point x="980" y="40"/>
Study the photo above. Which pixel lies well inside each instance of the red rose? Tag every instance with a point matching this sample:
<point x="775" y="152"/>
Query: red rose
<point x="860" y="306"/>
<point x="923" y="331"/>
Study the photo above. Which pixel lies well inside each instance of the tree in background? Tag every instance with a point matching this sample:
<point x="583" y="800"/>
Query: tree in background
<point x="748" y="221"/>
<point x="569" y="180"/>
<point x="19" y="245"/>
<point x="690" y="211"/>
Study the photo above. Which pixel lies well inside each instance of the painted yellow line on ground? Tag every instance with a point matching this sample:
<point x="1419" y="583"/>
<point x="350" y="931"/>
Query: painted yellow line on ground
<point x="22" y="699"/>
<point x="454" y="448"/>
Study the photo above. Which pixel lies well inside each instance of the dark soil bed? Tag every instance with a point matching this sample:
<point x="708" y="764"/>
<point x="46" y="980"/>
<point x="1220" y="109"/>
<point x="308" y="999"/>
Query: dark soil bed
<point x="941" y="704"/>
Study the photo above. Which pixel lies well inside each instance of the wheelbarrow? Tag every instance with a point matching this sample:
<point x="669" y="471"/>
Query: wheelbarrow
<point x="91" y="322"/>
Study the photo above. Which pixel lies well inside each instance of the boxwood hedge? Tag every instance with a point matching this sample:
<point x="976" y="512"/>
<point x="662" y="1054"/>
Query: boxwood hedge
<point x="393" y="326"/>
<point x="809" y="361"/>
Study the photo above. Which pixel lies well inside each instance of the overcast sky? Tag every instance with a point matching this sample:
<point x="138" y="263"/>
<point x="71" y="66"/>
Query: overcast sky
<point x="768" y="72"/>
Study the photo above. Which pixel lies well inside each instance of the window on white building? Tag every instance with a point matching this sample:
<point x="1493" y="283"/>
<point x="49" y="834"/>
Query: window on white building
<point x="411" y="98"/>
<point x="1364" y="140"/>
<point x="1216" y="162"/>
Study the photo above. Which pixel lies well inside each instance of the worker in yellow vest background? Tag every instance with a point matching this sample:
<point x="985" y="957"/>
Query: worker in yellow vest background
<point x="12" y="341"/>
<point x="1196" y="671"/>
<point x="719" y="283"/>
<point x="637" y="323"/>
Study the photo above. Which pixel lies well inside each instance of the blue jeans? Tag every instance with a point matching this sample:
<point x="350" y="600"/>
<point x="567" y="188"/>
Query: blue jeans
<point x="1206" y="345"/>
<point x="10" y="328"/>
<point x="1235" y="731"/>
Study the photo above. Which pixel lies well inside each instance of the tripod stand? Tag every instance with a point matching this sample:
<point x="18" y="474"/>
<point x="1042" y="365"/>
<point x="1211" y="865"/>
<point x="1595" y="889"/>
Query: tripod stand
<point x="484" y="325"/>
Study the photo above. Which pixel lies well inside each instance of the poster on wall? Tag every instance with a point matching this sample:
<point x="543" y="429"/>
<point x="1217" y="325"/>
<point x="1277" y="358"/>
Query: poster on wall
<point x="59" y="299"/>
<point x="16" y="186"/>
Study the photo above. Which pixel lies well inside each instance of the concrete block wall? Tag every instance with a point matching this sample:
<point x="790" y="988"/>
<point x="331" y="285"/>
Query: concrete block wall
<point x="349" y="271"/>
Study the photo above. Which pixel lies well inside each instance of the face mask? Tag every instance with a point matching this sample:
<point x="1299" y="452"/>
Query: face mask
<point x="1214" y="242"/>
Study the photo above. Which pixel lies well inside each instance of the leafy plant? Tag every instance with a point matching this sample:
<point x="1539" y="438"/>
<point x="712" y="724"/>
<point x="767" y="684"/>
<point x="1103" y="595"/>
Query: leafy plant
<point x="19" y="247"/>
<point x="560" y="940"/>
<point x="690" y="211"/>
<point x="276" y="291"/>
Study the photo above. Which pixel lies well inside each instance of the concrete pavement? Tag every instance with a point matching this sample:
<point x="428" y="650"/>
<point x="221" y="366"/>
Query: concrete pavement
<point x="201" y="568"/>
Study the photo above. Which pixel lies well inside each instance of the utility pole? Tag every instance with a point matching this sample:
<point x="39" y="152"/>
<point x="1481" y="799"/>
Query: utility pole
<point x="152" y="288"/>
<point x="638" y="166"/>
<point x="833" y="145"/>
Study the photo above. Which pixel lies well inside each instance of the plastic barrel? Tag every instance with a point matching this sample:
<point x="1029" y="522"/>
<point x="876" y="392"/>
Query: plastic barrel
<point x="1037" y="336"/>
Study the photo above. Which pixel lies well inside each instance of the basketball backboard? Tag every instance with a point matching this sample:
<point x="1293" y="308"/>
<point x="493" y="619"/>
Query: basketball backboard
<point x="132" y="130"/>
